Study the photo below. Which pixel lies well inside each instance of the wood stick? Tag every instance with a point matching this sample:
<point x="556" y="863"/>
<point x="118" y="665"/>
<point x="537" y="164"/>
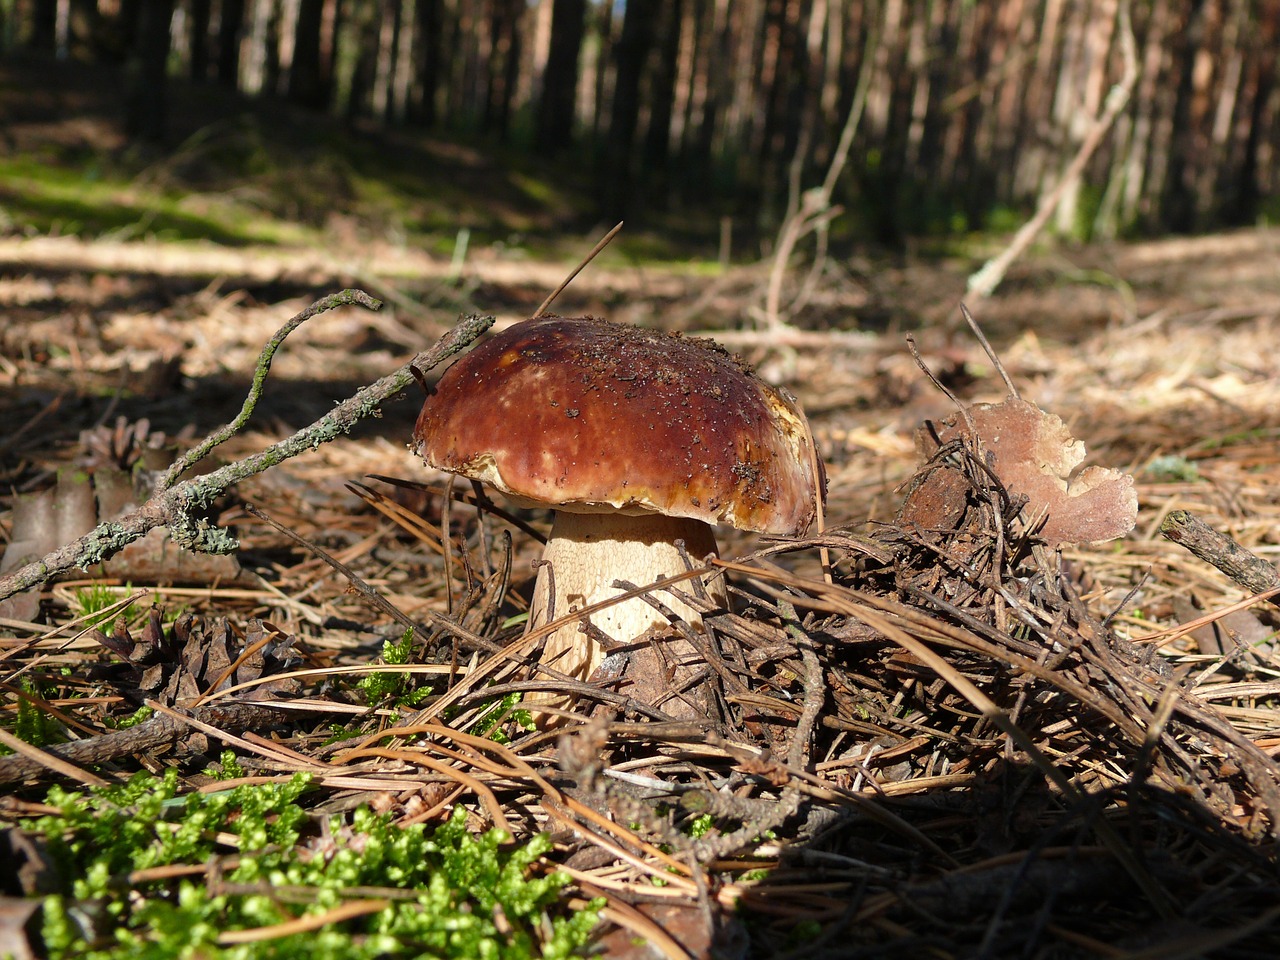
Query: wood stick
<point x="1240" y="564"/>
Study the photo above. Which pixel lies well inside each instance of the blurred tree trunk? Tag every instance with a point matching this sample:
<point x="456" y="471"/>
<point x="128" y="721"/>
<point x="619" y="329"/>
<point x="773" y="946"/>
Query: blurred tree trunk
<point x="85" y="37"/>
<point x="404" y="78"/>
<point x="711" y="93"/>
<point x="200" y="15"/>
<point x="558" y="102"/>
<point x="43" y="32"/>
<point x="1179" y="202"/>
<point x="363" y="29"/>
<point x="145" y="101"/>
<point x="422" y="108"/>
<point x="271" y="46"/>
<point x="466" y="31"/>
<point x="639" y="25"/>
<point x="230" y="26"/>
<point x="1244" y="193"/>
<point x="602" y="73"/>
<point x="308" y="72"/>
<point x="662" y="86"/>
<point x="382" y="99"/>
<point x="784" y="85"/>
<point x="503" y="67"/>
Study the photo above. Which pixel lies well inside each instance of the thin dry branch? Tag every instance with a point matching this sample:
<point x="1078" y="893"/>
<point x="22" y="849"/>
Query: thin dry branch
<point x="156" y="731"/>
<point x="551" y="297"/>
<point x="1242" y="566"/>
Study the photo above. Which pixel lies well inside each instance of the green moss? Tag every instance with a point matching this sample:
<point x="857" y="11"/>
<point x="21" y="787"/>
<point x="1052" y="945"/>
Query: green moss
<point x="90" y="601"/>
<point x="394" y="687"/>
<point x="471" y="896"/>
<point x="490" y="722"/>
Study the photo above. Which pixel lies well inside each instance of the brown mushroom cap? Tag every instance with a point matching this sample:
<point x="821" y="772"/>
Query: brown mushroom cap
<point x="590" y="416"/>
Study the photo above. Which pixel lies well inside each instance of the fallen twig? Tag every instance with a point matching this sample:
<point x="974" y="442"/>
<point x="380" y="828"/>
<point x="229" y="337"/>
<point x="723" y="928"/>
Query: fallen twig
<point x="153" y="732"/>
<point x="179" y="507"/>
<point x="1242" y="566"/>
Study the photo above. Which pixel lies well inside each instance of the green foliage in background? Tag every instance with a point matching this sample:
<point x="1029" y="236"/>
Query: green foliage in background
<point x="472" y="897"/>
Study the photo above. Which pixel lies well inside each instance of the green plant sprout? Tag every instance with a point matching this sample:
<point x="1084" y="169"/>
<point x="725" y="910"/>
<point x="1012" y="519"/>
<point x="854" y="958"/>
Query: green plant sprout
<point x="132" y="720"/>
<point x="31" y="724"/>
<point x="94" y="605"/>
<point x="394" y="687"/>
<point x="90" y="601"/>
<point x="464" y="895"/>
<point x="699" y="826"/>
<point x="489" y="722"/>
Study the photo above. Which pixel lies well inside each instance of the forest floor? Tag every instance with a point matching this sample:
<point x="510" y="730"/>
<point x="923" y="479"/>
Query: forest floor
<point x="1015" y="754"/>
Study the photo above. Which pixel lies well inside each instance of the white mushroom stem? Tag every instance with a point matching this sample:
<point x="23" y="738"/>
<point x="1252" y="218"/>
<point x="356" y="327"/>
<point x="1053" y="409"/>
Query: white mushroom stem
<point x="586" y="553"/>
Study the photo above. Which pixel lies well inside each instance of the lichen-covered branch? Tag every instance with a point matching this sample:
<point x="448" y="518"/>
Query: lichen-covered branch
<point x="180" y="506"/>
<point x="344" y="298"/>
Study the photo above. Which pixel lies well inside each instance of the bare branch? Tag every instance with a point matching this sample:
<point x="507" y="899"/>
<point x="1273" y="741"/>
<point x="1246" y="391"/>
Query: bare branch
<point x="202" y="450"/>
<point x="180" y="506"/>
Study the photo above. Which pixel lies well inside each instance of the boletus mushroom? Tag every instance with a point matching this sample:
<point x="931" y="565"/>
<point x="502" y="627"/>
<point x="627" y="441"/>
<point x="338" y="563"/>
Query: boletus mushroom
<point x="639" y="441"/>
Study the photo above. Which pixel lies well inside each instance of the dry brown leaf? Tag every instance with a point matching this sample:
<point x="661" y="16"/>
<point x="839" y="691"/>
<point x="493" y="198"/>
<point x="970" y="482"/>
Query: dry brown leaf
<point x="1035" y="456"/>
<point x="18" y="923"/>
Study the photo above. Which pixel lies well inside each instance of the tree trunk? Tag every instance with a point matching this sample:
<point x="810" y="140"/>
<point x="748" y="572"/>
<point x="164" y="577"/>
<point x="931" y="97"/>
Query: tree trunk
<point x="1244" y="192"/>
<point x="422" y="109"/>
<point x="662" y="89"/>
<point x="638" y="26"/>
<point x="502" y="70"/>
<point x="271" y="48"/>
<point x="364" y="28"/>
<point x="559" y="98"/>
<point x="1179" y="199"/>
<point x="308" y="76"/>
<point x="200" y="13"/>
<point x="42" y="35"/>
<point x="382" y="91"/>
<point x="230" y="26"/>
<point x="145" y="103"/>
<point x="599" y="72"/>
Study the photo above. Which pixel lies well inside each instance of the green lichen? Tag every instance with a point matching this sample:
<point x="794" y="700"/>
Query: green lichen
<point x="103" y="542"/>
<point x="202" y="536"/>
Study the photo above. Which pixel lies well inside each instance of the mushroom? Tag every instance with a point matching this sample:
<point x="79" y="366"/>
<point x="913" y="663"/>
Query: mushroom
<point x="639" y="441"/>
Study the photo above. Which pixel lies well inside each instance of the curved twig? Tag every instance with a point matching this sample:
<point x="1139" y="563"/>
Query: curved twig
<point x="179" y="507"/>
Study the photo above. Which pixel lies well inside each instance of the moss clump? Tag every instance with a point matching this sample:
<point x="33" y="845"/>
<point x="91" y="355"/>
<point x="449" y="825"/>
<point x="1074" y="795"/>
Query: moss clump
<point x="469" y="896"/>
